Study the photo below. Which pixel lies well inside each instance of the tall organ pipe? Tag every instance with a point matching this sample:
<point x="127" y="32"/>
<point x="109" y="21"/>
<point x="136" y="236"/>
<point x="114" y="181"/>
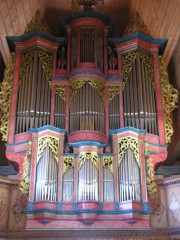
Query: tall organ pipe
<point x="33" y="107"/>
<point x="139" y="102"/>
<point x="87" y="110"/>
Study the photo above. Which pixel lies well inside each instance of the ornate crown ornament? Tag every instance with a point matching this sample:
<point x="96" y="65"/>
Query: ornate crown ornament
<point x="137" y="25"/>
<point x="37" y="24"/>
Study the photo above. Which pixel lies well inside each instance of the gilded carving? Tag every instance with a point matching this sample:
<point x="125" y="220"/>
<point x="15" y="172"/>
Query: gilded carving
<point x="169" y="98"/>
<point x="83" y="156"/>
<point x="113" y="91"/>
<point x="52" y="142"/>
<point x="61" y="91"/>
<point x="37" y="24"/>
<point x="68" y="163"/>
<point x="78" y="83"/>
<point x="151" y="183"/>
<point x="24" y="184"/>
<point x="5" y="97"/>
<point x="46" y="60"/>
<point x="137" y="25"/>
<point x="128" y="59"/>
<point x="124" y="144"/>
<point x="108" y="163"/>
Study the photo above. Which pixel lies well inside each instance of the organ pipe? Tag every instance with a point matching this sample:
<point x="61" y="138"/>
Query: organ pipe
<point x="129" y="178"/>
<point x="139" y="100"/>
<point x="33" y="107"/>
<point x="46" y="177"/>
<point x="114" y="113"/>
<point x="87" y="110"/>
<point x="60" y="109"/>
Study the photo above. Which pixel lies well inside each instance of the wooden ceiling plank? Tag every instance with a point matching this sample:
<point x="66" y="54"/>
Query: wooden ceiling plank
<point x="26" y="9"/>
<point x="6" y="18"/>
<point x="160" y="17"/>
<point x="14" y="16"/>
<point x="2" y="50"/>
<point x="134" y="7"/>
<point x="153" y="15"/>
<point x="147" y="10"/>
<point x="20" y="12"/>
<point x="171" y="46"/>
<point x="4" y="45"/>
<point x="168" y="17"/>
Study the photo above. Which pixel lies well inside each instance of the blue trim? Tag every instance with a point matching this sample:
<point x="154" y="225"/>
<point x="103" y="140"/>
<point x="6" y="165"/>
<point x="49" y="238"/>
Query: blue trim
<point x="87" y="72"/>
<point x="48" y="127"/>
<point x="87" y="143"/>
<point x="16" y="144"/>
<point x="127" y="129"/>
<point x="142" y="36"/>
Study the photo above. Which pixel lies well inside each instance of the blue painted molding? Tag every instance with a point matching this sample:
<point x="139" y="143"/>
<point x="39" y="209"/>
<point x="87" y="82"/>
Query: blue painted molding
<point x="142" y="36"/>
<point x="48" y="127"/>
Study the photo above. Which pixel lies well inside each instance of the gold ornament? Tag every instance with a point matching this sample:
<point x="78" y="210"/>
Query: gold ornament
<point x="24" y="184"/>
<point x="52" y="142"/>
<point x="108" y="163"/>
<point x="169" y="98"/>
<point x="36" y="24"/>
<point x="113" y="91"/>
<point x="137" y="25"/>
<point x="61" y="91"/>
<point x="124" y="144"/>
<point x="68" y="163"/>
<point x="83" y="156"/>
<point x="5" y="97"/>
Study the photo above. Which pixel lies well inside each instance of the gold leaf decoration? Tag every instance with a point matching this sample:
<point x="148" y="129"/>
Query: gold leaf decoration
<point x="169" y="98"/>
<point x="108" y="163"/>
<point x="5" y="96"/>
<point x="68" y="163"/>
<point x="137" y="25"/>
<point x="37" y="24"/>
<point x="61" y="91"/>
<point x="52" y="142"/>
<point x="113" y="91"/>
<point x="46" y="58"/>
<point x="24" y="184"/>
<point x="78" y="83"/>
<point x="83" y="156"/>
<point x="128" y="59"/>
<point x="124" y="144"/>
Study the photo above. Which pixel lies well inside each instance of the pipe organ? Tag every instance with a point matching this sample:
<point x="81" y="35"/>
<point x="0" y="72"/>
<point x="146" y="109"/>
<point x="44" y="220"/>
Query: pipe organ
<point x="86" y="122"/>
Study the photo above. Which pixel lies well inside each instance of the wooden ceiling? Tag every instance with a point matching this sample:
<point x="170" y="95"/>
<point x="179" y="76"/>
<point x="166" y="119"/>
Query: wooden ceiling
<point x="162" y="18"/>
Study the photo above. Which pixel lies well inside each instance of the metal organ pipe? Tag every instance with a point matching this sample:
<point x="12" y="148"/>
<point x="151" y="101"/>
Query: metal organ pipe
<point x="129" y="178"/>
<point x="33" y="108"/>
<point x="139" y="101"/>
<point x="46" y="177"/>
<point x="87" y="110"/>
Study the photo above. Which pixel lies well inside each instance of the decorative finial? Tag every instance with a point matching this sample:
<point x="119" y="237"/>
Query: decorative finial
<point x="137" y="25"/>
<point x="87" y="4"/>
<point x="37" y="24"/>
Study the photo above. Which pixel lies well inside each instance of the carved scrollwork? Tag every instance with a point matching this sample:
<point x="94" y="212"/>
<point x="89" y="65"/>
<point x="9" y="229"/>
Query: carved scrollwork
<point x="46" y="59"/>
<point x="137" y="25"/>
<point x="83" y="156"/>
<point x="5" y="96"/>
<point x="61" y="91"/>
<point x="128" y="59"/>
<point x="68" y="163"/>
<point x="124" y="144"/>
<point x="24" y="184"/>
<point x="169" y="98"/>
<point x="151" y="183"/>
<point x="113" y="91"/>
<point x="52" y="142"/>
<point x="78" y="83"/>
<point x="37" y="24"/>
<point x="108" y="163"/>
